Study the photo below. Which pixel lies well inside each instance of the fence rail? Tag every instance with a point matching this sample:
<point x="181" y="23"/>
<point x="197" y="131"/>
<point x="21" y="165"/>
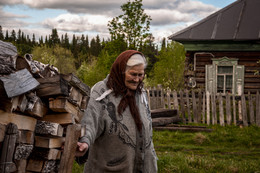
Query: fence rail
<point x="203" y="107"/>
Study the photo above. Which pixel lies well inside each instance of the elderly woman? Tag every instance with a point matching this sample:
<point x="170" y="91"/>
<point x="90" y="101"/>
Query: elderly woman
<point x="118" y="121"/>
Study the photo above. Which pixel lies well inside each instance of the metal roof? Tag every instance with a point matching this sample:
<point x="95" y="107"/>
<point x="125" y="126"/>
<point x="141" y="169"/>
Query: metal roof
<point x="239" y="21"/>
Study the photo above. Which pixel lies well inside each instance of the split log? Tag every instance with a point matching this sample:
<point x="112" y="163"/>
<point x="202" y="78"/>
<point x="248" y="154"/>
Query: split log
<point x="45" y="154"/>
<point x="6" y="159"/>
<point x="8" y="53"/>
<point x="48" y="128"/>
<point x="19" y="83"/>
<point x="22" y="122"/>
<point x="35" y="106"/>
<point x="21" y="166"/>
<point x="75" y="81"/>
<point x="52" y="86"/>
<point x="165" y="121"/>
<point x="25" y="137"/>
<point x="60" y="118"/>
<point x="62" y="104"/>
<point x="23" y="151"/>
<point x="156" y="113"/>
<point x="70" y="146"/>
<point x="75" y="96"/>
<point x="35" y="165"/>
<point x="46" y="142"/>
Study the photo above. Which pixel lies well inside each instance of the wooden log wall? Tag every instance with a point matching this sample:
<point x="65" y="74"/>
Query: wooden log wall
<point x="201" y="107"/>
<point x="248" y="59"/>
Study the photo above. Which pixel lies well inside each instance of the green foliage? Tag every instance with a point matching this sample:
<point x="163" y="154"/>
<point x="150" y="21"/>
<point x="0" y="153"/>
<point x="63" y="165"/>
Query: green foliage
<point x="133" y="25"/>
<point x="57" y="56"/>
<point x="169" y="68"/>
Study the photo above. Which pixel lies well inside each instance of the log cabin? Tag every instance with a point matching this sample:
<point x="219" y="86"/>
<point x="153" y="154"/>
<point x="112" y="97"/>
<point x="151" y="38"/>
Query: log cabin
<point x="222" y="50"/>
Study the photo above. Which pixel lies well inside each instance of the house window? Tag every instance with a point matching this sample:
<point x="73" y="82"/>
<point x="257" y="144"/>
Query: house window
<point x="224" y="79"/>
<point x="224" y="75"/>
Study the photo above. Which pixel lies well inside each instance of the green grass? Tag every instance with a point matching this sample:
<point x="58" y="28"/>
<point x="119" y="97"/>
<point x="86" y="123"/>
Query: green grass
<point x="225" y="150"/>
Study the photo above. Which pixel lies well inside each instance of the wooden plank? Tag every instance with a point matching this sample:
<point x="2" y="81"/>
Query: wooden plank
<point x="48" y="128"/>
<point x="183" y="116"/>
<point x="46" y="142"/>
<point x="75" y="96"/>
<point x="22" y="151"/>
<point x="234" y="110"/>
<point x="221" y="110"/>
<point x="60" y="118"/>
<point x="21" y="165"/>
<point x="194" y="108"/>
<point x="35" y="106"/>
<point x="175" y="101"/>
<point x="228" y="109"/>
<point x="251" y="109"/>
<point x="199" y="106"/>
<point x="22" y="122"/>
<point x="244" y="110"/>
<point x="208" y="107"/>
<point x="68" y="157"/>
<point x="257" y="109"/>
<point x="188" y="106"/>
<point x="156" y="113"/>
<point x="169" y="99"/>
<point x="203" y="107"/>
<point x="2" y="132"/>
<point x="213" y="108"/>
<point x="165" y="121"/>
<point x="85" y="100"/>
<point x="8" y="148"/>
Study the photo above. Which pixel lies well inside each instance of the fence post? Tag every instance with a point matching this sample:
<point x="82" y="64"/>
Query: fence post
<point x="188" y="106"/>
<point x="213" y="107"/>
<point x="251" y="108"/>
<point x="234" y="110"/>
<point x="175" y="102"/>
<point x="221" y="110"/>
<point x="244" y="110"/>
<point x="194" y="108"/>
<point x="169" y="98"/>
<point x="199" y="106"/>
<point x="182" y="107"/>
<point x="228" y="109"/>
<point x="257" y="104"/>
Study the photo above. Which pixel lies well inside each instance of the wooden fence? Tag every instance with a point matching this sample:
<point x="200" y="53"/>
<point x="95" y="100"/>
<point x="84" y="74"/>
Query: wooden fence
<point x="201" y="107"/>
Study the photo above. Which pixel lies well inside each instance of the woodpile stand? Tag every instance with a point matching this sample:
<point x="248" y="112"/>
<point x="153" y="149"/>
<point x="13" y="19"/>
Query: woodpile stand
<point x="40" y="113"/>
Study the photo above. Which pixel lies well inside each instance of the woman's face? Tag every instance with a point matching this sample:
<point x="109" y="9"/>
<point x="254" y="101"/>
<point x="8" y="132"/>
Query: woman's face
<point x="134" y="76"/>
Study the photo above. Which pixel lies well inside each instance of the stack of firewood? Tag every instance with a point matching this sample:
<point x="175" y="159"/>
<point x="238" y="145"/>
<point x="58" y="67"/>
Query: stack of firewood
<point x="40" y="111"/>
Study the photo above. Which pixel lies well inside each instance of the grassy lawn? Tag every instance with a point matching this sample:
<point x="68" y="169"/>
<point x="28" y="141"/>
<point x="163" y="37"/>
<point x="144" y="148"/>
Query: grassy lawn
<point x="226" y="149"/>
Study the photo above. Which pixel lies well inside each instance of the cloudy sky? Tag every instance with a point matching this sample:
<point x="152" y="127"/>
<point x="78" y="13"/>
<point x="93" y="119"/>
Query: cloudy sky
<point x="90" y="17"/>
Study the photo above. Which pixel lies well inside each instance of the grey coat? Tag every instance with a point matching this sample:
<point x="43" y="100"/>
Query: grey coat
<point x="115" y="144"/>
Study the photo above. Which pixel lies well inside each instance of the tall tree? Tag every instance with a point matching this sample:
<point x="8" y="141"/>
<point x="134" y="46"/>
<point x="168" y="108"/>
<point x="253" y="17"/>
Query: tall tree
<point x="54" y="37"/>
<point x="133" y="25"/>
<point x="1" y="33"/>
<point x="6" y="36"/>
<point x="13" y="36"/>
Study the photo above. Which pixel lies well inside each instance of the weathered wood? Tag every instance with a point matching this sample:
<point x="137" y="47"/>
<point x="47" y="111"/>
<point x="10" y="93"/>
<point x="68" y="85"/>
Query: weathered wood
<point x="85" y="100"/>
<point x="21" y="165"/>
<point x="175" y="101"/>
<point x="75" y="96"/>
<point x="35" y="106"/>
<point x="25" y="137"/>
<point x="165" y="121"/>
<point x="244" y="110"/>
<point x="199" y="106"/>
<point x="19" y="82"/>
<point x="75" y="81"/>
<point x="257" y="109"/>
<point x="23" y="151"/>
<point x="46" y="142"/>
<point x="61" y="104"/>
<point x="50" y="166"/>
<point x="60" y="118"/>
<point x="251" y="109"/>
<point x="168" y="94"/>
<point x="45" y="154"/>
<point x="194" y="108"/>
<point x="221" y="110"/>
<point x="182" y="107"/>
<point x="8" y="53"/>
<point x="208" y="107"/>
<point x="8" y="148"/>
<point x="188" y="106"/>
<point x="52" y="86"/>
<point x="35" y="165"/>
<point x="213" y="108"/>
<point x="186" y="129"/>
<point x="67" y="158"/>
<point x="2" y="132"/>
<point x="48" y="128"/>
<point x="228" y="109"/>
<point x="157" y="113"/>
<point x="234" y="110"/>
<point x="22" y="122"/>
<point x="203" y="107"/>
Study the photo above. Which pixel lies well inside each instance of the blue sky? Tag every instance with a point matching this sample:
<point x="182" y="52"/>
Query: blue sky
<point x="90" y="17"/>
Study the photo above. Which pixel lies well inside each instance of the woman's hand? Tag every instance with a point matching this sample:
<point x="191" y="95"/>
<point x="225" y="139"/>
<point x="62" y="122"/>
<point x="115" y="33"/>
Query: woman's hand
<point x="81" y="149"/>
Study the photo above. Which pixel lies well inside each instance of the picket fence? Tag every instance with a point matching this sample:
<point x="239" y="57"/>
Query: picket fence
<point x="203" y="107"/>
